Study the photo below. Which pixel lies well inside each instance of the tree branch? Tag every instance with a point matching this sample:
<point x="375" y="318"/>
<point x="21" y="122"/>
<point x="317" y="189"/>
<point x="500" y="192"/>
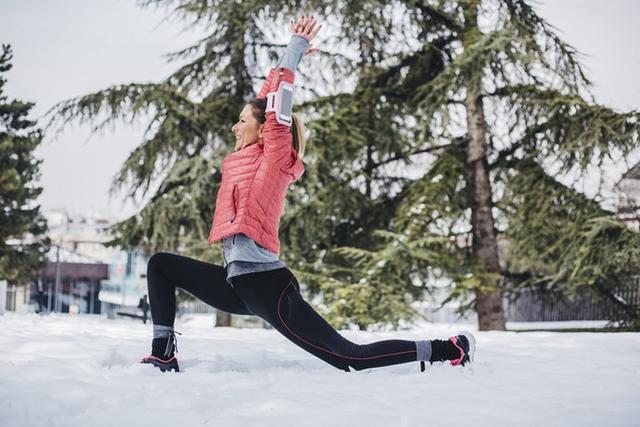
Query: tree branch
<point x="400" y="156"/>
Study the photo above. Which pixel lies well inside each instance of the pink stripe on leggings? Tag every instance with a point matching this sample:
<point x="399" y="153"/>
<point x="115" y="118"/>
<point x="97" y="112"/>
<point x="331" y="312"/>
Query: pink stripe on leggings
<point x="329" y="351"/>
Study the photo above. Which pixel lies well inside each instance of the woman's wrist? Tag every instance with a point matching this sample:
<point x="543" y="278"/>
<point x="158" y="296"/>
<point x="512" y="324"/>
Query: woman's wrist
<point x="298" y="45"/>
<point x="307" y="37"/>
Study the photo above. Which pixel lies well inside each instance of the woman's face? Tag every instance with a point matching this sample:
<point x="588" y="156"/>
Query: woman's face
<point x="247" y="131"/>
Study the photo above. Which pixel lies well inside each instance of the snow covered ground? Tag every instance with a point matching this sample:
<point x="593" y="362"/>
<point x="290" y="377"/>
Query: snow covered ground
<point x="65" y="370"/>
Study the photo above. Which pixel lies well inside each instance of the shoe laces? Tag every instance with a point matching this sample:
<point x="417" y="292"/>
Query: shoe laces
<point x="172" y="344"/>
<point x="459" y="360"/>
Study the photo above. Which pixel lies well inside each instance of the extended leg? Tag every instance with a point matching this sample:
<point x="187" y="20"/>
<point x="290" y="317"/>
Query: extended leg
<point x="275" y="296"/>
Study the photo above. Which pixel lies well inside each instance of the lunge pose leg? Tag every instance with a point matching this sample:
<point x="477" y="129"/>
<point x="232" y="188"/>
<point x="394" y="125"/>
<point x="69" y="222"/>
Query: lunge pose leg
<point x="166" y="272"/>
<point x="275" y="297"/>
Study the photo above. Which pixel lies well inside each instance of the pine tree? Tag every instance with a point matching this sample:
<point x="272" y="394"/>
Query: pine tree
<point x="22" y="243"/>
<point x="509" y="99"/>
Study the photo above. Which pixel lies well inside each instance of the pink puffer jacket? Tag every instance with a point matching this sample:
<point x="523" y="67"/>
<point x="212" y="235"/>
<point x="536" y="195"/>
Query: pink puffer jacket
<point x="255" y="180"/>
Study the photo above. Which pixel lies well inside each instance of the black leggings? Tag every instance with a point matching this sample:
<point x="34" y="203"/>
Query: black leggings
<point x="275" y="297"/>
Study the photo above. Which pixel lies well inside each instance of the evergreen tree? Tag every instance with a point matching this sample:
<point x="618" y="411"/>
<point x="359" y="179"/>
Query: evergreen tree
<point x="493" y="103"/>
<point x="509" y="99"/>
<point x="22" y="243"/>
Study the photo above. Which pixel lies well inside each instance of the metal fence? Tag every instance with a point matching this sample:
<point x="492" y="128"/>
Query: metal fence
<point x="238" y="321"/>
<point x="195" y="306"/>
<point x="535" y="306"/>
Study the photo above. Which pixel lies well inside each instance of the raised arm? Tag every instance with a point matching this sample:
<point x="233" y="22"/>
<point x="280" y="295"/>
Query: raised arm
<point x="277" y="133"/>
<point x="302" y="31"/>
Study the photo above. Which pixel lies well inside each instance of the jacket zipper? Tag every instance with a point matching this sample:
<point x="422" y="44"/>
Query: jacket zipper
<point x="235" y="207"/>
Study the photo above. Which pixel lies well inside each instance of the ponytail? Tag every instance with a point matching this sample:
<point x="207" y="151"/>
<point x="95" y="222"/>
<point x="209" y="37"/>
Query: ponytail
<point x="259" y="106"/>
<point x="297" y="129"/>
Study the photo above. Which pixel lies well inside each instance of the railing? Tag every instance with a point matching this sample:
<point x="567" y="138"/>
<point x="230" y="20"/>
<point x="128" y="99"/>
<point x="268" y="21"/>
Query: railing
<point x="238" y="321"/>
<point x="535" y="306"/>
<point x="196" y="306"/>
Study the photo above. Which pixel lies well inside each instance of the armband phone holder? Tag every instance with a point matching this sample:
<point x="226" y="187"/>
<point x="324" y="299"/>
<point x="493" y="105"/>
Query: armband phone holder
<point x="281" y="101"/>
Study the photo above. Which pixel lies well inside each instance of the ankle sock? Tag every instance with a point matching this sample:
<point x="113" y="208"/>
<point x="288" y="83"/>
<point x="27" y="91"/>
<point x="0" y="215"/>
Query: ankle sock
<point x="162" y="331"/>
<point x="423" y="350"/>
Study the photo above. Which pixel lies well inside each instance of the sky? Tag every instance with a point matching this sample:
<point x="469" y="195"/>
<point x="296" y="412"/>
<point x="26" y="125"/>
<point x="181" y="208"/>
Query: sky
<point x="65" y="48"/>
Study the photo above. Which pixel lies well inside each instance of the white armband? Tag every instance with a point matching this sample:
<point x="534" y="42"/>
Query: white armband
<point x="281" y="101"/>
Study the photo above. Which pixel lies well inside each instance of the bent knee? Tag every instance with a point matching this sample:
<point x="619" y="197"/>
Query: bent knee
<point x="156" y="260"/>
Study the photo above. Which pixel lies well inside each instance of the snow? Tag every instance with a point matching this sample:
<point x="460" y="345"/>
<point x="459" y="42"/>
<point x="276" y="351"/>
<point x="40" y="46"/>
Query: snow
<point x="80" y="370"/>
<point x="569" y="324"/>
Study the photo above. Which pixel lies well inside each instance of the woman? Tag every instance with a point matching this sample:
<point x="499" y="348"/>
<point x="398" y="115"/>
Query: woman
<point x="255" y="178"/>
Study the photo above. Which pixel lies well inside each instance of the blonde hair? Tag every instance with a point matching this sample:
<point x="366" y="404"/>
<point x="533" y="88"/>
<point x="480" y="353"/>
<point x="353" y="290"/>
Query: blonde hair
<point x="297" y="129"/>
<point x="259" y="105"/>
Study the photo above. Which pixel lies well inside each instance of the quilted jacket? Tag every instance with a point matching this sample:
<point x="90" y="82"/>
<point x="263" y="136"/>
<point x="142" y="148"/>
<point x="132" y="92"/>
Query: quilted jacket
<point x="255" y="179"/>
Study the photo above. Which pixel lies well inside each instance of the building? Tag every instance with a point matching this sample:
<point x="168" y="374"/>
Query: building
<point x="67" y="286"/>
<point x="126" y="285"/>
<point x="77" y="262"/>
<point x="628" y="190"/>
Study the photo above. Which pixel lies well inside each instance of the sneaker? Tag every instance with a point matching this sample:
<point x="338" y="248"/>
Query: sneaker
<point x="162" y="354"/>
<point x="466" y="343"/>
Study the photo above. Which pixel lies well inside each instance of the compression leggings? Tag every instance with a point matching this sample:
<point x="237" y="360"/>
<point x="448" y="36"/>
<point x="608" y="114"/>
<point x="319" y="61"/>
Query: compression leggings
<point x="275" y="297"/>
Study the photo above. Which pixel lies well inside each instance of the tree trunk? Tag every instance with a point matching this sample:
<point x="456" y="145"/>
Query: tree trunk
<point x="223" y="318"/>
<point x="488" y="304"/>
<point x="485" y="248"/>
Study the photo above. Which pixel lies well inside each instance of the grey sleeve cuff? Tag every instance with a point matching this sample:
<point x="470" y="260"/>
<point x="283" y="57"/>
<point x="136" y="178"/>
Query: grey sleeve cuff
<point x="296" y="48"/>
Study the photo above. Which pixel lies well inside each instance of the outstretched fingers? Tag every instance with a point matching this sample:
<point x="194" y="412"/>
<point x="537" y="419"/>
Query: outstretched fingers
<point x="314" y="31"/>
<point x="307" y="27"/>
<point x="297" y="27"/>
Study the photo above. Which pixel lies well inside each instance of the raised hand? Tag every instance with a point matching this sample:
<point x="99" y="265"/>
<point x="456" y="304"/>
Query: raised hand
<point x="307" y="28"/>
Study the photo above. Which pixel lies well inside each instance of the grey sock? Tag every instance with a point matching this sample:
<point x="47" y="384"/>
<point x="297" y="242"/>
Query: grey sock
<point x="423" y="349"/>
<point x="161" y="331"/>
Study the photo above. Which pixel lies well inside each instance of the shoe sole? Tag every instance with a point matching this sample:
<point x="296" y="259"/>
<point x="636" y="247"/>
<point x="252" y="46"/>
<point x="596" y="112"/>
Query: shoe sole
<point x="472" y="344"/>
<point x="164" y="366"/>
